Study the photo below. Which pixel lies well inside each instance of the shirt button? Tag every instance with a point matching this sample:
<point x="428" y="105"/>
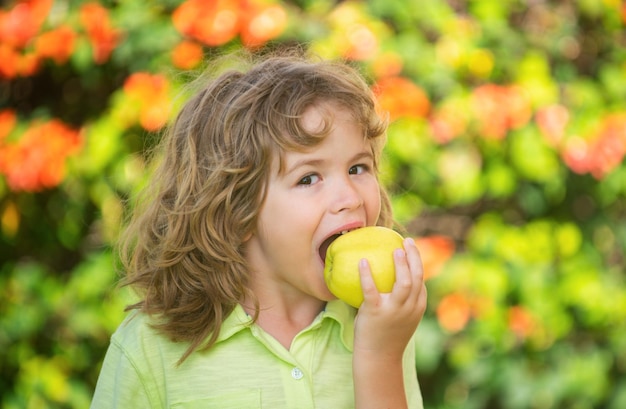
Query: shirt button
<point x="296" y="374"/>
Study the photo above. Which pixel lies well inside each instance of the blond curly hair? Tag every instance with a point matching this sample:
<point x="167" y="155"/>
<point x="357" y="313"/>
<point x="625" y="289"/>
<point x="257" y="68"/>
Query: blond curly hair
<point x="182" y="249"/>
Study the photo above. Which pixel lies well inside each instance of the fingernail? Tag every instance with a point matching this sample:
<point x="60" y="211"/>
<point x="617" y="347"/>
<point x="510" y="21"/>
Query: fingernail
<point x="409" y="241"/>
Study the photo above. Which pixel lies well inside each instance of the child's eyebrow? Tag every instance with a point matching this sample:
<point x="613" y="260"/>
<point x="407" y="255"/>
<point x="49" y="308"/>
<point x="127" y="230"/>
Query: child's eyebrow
<point x="303" y="163"/>
<point x="313" y="162"/>
<point x="368" y="155"/>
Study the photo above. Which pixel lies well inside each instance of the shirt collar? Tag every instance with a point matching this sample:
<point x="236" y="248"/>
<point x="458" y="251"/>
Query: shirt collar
<point x="337" y="310"/>
<point x="344" y="315"/>
<point x="237" y="320"/>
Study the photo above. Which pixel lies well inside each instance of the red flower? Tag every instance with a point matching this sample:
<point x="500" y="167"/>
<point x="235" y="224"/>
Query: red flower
<point x="21" y="23"/>
<point x="102" y="36"/>
<point x="37" y="160"/>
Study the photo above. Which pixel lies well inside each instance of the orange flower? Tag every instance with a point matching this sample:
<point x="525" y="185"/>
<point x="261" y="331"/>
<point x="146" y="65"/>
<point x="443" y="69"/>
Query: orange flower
<point x="499" y="108"/>
<point x="102" y="36"/>
<point x="434" y="251"/>
<point x="151" y="94"/>
<point x="453" y="312"/>
<point x="9" y="61"/>
<point x="37" y="160"/>
<point x="154" y="116"/>
<point x="387" y="64"/>
<point x="362" y="43"/>
<point x="57" y="44"/>
<point x="448" y="121"/>
<point x="8" y="118"/>
<point x="400" y="97"/>
<point x="144" y="86"/>
<point x="602" y="151"/>
<point x="552" y="121"/>
<point x="211" y="22"/>
<point x="521" y="322"/>
<point x="28" y="64"/>
<point x="13" y="63"/>
<point x="187" y="55"/>
<point x="217" y="22"/>
<point x="576" y="155"/>
<point x="20" y="24"/>
<point x="261" y="22"/>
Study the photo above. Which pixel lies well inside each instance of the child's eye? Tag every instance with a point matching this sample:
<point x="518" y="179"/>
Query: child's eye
<point x="309" y="180"/>
<point x="357" y="169"/>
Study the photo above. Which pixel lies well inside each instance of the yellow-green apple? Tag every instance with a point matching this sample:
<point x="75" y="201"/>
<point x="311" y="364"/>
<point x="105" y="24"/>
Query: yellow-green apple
<point x="341" y="270"/>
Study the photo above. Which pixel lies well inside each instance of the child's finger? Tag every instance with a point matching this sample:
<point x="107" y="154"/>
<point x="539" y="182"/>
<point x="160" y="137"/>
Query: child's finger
<point x="416" y="267"/>
<point x="370" y="292"/>
<point x="414" y="260"/>
<point x="403" y="285"/>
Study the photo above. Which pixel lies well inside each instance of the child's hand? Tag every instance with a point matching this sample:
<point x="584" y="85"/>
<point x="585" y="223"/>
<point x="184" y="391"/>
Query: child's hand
<point x="384" y="326"/>
<point x="386" y="321"/>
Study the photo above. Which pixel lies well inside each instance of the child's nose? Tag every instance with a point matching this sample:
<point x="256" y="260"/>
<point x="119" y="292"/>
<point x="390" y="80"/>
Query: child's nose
<point x="346" y="196"/>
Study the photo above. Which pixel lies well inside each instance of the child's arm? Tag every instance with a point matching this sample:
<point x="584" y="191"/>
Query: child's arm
<point x="384" y="326"/>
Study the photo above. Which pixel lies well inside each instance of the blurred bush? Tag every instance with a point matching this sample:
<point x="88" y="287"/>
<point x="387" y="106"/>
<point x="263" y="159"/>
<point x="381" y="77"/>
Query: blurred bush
<point x="505" y="160"/>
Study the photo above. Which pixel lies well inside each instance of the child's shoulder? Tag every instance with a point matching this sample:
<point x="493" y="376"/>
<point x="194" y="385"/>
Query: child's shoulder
<point x="135" y="323"/>
<point x="136" y="335"/>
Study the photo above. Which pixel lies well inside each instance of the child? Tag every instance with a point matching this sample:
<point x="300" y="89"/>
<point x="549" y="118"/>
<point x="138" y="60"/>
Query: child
<point x="260" y="170"/>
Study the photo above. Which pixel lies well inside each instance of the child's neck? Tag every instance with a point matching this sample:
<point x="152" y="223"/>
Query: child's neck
<point x="283" y="321"/>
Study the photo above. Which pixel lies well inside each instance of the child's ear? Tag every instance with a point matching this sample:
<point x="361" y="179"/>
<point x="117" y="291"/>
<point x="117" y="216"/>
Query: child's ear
<point x="247" y="237"/>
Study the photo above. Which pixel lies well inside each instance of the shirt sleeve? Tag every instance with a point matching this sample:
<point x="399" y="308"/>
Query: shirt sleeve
<point x="412" y="386"/>
<point x="119" y="383"/>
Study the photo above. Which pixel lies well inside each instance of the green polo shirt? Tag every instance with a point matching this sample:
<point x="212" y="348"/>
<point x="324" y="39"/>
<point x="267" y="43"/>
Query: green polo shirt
<point x="246" y="368"/>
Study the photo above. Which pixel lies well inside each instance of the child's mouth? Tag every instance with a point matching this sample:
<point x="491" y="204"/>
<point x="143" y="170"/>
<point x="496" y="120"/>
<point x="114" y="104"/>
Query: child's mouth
<point x="326" y="243"/>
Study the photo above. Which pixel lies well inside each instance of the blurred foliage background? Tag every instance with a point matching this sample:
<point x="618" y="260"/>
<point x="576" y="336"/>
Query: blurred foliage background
<point x="505" y="160"/>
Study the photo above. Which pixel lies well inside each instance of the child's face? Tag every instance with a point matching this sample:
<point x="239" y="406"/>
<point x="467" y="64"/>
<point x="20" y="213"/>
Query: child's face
<point x="327" y="189"/>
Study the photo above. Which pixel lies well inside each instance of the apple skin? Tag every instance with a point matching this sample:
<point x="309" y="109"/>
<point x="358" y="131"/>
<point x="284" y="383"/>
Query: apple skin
<point x="341" y="270"/>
